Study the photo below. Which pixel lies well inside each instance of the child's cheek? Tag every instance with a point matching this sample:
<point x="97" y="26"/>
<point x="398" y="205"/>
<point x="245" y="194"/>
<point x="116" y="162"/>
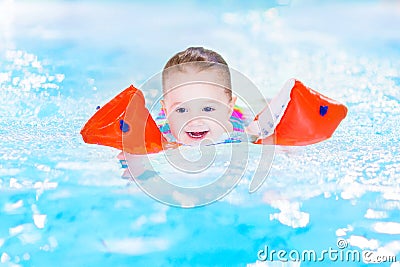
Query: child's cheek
<point x="181" y="120"/>
<point x="176" y="128"/>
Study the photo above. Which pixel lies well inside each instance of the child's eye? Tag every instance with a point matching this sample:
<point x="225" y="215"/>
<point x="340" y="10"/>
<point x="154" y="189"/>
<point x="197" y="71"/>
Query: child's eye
<point x="208" y="109"/>
<point x="181" y="110"/>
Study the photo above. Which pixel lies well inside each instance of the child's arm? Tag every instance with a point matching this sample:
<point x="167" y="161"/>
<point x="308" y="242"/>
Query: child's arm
<point x="265" y="122"/>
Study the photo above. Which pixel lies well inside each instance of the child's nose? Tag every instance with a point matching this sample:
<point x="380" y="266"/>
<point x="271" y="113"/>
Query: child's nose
<point x="196" y="122"/>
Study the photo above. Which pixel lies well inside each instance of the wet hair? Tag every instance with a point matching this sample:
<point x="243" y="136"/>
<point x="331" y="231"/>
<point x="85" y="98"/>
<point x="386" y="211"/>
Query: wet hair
<point x="195" y="54"/>
<point x="209" y="59"/>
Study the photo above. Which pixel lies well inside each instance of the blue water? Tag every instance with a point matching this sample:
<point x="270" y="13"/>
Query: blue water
<point x="63" y="202"/>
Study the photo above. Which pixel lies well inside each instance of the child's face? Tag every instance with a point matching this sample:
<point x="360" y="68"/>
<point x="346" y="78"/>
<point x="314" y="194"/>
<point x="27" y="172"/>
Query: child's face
<point x="197" y="110"/>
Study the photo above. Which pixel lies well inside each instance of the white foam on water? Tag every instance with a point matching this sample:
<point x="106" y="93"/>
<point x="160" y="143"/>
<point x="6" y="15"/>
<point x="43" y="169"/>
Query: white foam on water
<point x="392" y="228"/>
<point x="39" y="220"/>
<point x="362" y="242"/>
<point x="391" y="195"/>
<point x="374" y="214"/>
<point x="4" y="257"/>
<point x="16" y="230"/>
<point x="289" y="214"/>
<point x="340" y="232"/>
<point x="10" y="207"/>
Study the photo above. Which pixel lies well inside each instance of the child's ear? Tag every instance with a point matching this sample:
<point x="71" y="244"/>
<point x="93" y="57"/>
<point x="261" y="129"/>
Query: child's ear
<point x="232" y="103"/>
<point x="163" y="106"/>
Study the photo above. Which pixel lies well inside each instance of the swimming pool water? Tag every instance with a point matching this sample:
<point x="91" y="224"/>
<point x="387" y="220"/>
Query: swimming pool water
<point x="63" y="202"/>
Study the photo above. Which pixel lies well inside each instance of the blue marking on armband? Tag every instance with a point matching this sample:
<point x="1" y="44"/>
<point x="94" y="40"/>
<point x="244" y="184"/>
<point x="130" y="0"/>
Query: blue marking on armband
<point x="124" y="165"/>
<point x="123" y="126"/>
<point x="323" y="110"/>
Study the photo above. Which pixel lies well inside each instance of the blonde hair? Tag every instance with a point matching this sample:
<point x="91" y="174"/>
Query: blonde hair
<point x="209" y="60"/>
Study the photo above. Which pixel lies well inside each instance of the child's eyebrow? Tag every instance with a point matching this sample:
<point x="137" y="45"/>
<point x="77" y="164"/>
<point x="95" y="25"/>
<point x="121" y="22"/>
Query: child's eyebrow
<point x="176" y="104"/>
<point x="207" y="101"/>
<point x="212" y="101"/>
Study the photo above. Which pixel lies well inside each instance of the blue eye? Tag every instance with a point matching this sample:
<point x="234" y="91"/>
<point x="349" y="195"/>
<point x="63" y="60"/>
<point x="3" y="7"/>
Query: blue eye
<point x="181" y="110"/>
<point x="208" y="109"/>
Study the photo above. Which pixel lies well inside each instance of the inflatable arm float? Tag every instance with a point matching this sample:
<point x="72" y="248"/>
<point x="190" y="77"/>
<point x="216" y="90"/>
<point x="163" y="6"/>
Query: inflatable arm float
<point x="301" y="116"/>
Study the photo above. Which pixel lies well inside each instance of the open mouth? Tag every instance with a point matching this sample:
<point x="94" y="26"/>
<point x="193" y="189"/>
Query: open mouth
<point x="197" y="135"/>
